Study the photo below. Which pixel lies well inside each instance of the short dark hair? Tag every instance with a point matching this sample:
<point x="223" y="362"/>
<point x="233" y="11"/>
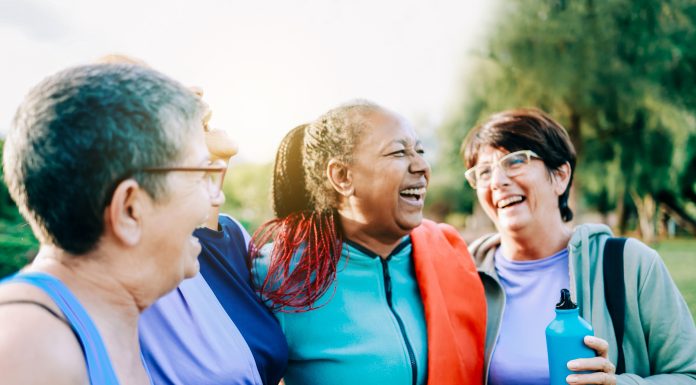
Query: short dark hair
<point x="525" y="129"/>
<point x="80" y="132"/>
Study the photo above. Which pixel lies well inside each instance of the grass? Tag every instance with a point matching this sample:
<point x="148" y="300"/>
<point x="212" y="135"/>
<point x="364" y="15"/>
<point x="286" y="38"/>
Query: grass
<point x="680" y="257"/>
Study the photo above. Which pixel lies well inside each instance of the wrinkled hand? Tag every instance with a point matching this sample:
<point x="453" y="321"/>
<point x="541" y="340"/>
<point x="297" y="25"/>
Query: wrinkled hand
<point x="603" y="370"/>
<point x="220" y="145"/>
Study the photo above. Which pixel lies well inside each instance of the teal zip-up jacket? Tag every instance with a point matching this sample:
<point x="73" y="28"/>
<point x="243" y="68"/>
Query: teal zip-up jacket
<point x="659" y="334"/>
<point x="370" y="330"/>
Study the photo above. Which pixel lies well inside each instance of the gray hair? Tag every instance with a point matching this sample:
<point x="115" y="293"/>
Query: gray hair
<point x="333" y="136"/>
<point x="80" y="132"/>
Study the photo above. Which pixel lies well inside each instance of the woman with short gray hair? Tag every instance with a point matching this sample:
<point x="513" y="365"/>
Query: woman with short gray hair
<point x="108" y="164"/>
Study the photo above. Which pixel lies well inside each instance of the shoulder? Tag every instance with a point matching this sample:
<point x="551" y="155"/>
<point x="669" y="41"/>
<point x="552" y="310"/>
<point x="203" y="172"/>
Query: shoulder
<point x="645" y="262"/>
<point x="261" y="263"/>
<point x="232" y="227"/>
<point x="437" y="232"/>
<point x="30" y="334"/>
<point x="589" y="235"/>
<point x="439" y="240"/>
<point x="482" y="247"/>
<point x="592" y="238"/>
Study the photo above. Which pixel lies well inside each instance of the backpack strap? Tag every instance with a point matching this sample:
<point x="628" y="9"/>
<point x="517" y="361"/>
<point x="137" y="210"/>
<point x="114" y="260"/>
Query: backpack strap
<point x="615" y="293"/>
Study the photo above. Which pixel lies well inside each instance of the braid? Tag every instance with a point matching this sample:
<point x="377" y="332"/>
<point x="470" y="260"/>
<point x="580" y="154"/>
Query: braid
<point x="306" y="234"/>
<point x="294" y="283"/>
<point x="288" y="190"/>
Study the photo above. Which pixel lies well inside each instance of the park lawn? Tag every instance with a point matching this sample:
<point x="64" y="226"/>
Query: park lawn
<point x="680" y="257"/>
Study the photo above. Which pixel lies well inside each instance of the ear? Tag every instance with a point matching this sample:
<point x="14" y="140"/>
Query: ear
<point x="124" y="214"/>
<point x="561" y="178"/>
<point x="340" y="177"/>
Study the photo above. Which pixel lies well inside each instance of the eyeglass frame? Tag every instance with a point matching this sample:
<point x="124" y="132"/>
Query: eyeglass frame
<point x="221" y="168"/>
<point x="530" y="155"/>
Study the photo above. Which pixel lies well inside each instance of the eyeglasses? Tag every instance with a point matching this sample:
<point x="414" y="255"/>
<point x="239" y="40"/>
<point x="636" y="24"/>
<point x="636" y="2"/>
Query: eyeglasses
<point x="512" y="164"/>
<point x="214" y="174"/>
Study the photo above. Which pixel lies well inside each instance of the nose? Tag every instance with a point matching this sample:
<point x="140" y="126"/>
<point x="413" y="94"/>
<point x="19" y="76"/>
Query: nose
<point x="499" y="177"/>
<point x="419" y="165"/>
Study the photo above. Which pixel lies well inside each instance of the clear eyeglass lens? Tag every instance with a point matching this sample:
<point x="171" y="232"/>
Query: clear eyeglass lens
<point x="512" y="164"/>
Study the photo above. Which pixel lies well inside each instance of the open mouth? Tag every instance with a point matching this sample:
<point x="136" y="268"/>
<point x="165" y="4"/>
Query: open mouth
<point x="413" y="194"/>
<point x="511" y="201"/>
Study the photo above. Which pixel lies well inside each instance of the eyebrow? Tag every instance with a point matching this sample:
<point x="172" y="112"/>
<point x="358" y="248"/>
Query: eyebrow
<point x="403" y="142"/>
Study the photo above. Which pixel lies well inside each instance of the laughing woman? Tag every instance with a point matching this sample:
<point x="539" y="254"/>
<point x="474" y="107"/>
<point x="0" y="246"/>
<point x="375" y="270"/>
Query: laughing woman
<point x="521" y="163"/>
<point x="366" y="291"/>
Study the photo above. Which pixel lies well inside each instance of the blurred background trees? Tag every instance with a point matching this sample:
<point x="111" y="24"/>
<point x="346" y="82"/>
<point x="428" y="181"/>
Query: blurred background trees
<point x="621" y="76"/>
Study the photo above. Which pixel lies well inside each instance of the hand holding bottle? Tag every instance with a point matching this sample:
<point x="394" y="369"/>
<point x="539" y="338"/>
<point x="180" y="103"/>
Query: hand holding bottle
<point x="603" y="371"/>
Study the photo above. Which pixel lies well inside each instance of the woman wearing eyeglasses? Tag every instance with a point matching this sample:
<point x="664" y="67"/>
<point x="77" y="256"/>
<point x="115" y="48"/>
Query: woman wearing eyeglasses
<point x="213" y="328"/>
<point x="521" y="164"/>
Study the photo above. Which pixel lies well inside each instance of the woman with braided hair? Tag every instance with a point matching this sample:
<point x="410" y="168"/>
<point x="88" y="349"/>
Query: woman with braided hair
<point x="366" y="291"/>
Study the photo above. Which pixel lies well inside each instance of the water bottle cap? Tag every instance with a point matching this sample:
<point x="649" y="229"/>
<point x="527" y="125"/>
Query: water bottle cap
<point x="565" y="302"/>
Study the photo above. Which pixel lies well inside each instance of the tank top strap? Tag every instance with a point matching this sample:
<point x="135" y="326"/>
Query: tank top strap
<point x="99" y="367"/>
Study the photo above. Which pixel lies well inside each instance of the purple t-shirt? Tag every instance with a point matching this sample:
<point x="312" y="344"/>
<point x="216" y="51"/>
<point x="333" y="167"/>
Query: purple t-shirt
<point x="213" y="328"/>
<point x="531" y="292"/>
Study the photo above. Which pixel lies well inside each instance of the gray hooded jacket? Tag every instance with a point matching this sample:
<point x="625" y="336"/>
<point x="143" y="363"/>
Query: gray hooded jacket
<point x="659" y="338"/>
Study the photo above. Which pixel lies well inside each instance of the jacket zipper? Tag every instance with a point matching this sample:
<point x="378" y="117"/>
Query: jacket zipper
<point x="402" y="328"/>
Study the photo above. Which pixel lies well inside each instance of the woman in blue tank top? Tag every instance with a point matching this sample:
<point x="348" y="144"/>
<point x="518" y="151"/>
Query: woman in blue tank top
<point x="108" y="164"/>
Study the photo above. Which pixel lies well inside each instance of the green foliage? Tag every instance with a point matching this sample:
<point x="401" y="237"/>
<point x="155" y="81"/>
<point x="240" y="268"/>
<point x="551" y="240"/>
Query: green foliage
<point x="247" y="190"/>
<point x="17" y="246"/>
<point x="620" y="75"/>
<point x="17" y="242"/>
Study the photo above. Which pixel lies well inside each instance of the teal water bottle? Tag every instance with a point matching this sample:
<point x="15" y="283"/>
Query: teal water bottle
<point x="564" y="339"/>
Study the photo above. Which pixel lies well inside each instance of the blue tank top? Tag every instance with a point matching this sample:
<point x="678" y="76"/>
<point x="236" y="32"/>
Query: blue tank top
<point x="99" y="369"/>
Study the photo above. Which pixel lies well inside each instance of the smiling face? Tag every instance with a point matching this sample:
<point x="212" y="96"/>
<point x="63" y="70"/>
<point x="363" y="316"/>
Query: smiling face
<point x="388" y="178"/>
<point x="525" y="203"/>
<point x="173" y="218"/>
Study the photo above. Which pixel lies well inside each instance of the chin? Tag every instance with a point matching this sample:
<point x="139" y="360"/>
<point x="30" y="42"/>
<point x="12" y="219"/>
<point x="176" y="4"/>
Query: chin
<point x="411" y="222"/>
<point x="513" y="224"/>
<point x="191" y="271"/>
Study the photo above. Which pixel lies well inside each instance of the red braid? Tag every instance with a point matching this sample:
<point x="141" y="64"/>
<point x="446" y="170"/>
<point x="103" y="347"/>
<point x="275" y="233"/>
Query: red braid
<point x="294" y="283"/>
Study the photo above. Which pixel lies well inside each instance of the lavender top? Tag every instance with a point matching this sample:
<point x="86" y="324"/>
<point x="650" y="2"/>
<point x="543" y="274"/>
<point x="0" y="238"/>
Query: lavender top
<point x="531" y="291"/>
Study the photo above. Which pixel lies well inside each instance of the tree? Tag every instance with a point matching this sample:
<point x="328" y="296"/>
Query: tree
<point x="17" y="242"/>
<point x="620" y="75"/>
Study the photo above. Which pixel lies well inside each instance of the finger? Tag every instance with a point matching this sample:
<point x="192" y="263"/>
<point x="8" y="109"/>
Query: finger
<point x="592" y="378"/>
<point x="599" y="345"/>
<point x="596" y="364"/>
<point x="197" y="90"/>
<point x="220" y="145"/>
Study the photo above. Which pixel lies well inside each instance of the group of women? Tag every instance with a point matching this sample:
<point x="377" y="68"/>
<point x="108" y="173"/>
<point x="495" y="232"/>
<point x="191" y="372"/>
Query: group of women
<point x="348" y="283"/>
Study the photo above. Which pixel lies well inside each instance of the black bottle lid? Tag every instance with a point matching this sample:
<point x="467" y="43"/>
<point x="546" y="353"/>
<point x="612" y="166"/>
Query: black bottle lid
<point x="565" y="303"/>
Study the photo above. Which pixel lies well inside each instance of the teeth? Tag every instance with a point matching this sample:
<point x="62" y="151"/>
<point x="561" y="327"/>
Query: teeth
<point x="509" y="201"/>
<point x="413" y="191"/>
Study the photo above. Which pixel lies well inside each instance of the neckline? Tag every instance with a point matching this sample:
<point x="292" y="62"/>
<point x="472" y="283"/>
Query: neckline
<point x="405" y="241"/>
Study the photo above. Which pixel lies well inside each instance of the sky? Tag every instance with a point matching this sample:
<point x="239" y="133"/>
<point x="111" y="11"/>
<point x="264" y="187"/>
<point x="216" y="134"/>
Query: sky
<point x="265" y="65"/>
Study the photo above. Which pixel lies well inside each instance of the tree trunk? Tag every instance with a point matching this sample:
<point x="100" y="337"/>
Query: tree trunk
<point x="646" y="216"/>
<point x="576" y="138"/>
